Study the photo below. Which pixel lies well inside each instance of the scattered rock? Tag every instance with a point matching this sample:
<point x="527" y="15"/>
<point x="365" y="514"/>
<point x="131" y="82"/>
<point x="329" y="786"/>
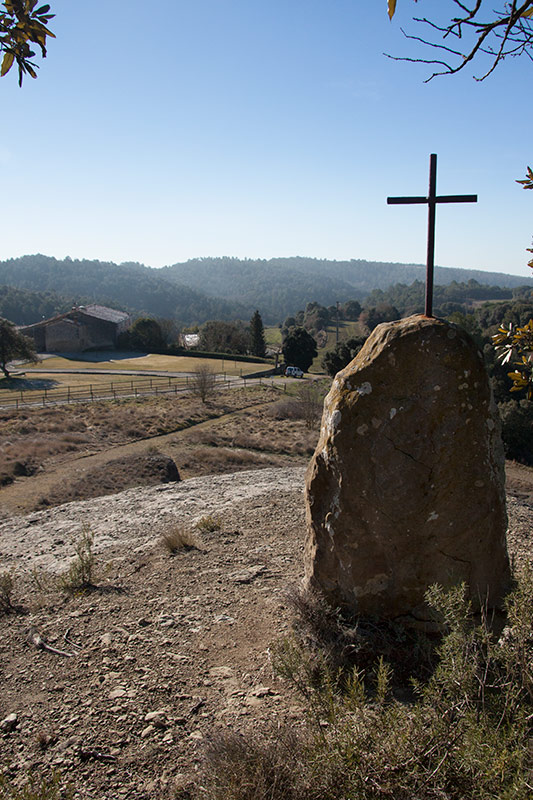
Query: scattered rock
<point x="157" y="718"/>
<point x="247" y="575"/>
<point x="9" y="723"/>
<point x="116" y="693"/>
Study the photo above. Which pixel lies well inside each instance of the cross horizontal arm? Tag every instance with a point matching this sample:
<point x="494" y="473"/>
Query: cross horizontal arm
<point x="394" y="201"/>
<point x="443" y="198"/>
<point x="456" y="198"/>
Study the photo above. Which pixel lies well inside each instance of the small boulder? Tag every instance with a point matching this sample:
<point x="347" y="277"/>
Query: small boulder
<point x="9" y="723"/>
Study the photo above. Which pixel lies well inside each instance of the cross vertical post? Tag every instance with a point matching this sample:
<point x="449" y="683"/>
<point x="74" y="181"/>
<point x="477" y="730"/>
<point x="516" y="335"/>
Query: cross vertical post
<point x="431" y="200"/>
<point x="430" y="259"/>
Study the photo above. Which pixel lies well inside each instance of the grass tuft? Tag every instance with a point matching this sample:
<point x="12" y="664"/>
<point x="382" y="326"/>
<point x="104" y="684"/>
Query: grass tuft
<point x="177" y="538"/>
<point x="36" y="788"/>
<point x="7" y="587"/>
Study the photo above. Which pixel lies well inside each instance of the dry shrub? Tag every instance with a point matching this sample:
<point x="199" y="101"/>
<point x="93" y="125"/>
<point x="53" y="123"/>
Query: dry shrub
<point x="281" y="766"/>
<point x="202" y="383"/>
<point x="44" y="582"/>
<point x="177" y="538"/>
<point x="7" y="586"/>
<point x="342" y="642"/>
<point x="462" y="733"/>
<point x="80" y="576"/>
<point x="285" y="409"/>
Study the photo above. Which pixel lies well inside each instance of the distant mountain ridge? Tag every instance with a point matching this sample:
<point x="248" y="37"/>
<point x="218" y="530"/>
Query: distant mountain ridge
<point x="223" y="288"/>
<point x="282" y="286"/>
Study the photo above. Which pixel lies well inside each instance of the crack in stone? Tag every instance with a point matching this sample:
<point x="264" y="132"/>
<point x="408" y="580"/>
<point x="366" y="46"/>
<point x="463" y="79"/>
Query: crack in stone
<point x="407" y="455"/>
<point x="454" y="558"/>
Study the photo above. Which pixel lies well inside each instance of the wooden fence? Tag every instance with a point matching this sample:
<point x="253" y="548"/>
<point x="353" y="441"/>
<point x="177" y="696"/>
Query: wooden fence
<point x="114" y="390"/>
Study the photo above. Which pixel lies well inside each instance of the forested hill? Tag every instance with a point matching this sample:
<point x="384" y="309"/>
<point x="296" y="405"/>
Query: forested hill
<point x="24" y="307"/>
<point x="132" y="287"/>
<point x="211" y="288"/>
<point x="281" y="286"/>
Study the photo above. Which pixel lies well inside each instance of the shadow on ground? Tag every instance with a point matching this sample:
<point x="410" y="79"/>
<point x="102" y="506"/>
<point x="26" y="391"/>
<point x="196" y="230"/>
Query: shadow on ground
<point x="18" y="384"/>
<point x="101" y="355"/>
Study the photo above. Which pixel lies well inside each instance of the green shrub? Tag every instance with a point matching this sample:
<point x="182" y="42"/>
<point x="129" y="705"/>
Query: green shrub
<point x="81" y="574"/>
<point x="517" y="430"/>
<point x="464" y="732"/>
<point x="209" y="523"/>
<point x="36" y="788"/>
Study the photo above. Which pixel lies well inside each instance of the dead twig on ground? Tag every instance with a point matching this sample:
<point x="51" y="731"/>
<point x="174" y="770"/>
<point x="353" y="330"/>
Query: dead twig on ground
<point x="69" y="641"/>
<point x="36" y="639"/>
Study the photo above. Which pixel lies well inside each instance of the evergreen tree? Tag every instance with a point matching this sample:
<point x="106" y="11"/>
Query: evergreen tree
<point x="257" y="335"/>
<point x="299" y="349"/>
<point x="14" y="345"/>
<point x="146" y="334"/>
<point x="343" y="353"/>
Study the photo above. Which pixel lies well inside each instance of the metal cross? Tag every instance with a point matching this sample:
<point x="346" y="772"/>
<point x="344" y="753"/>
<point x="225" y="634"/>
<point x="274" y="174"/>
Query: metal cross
<point x="432" y="199"/>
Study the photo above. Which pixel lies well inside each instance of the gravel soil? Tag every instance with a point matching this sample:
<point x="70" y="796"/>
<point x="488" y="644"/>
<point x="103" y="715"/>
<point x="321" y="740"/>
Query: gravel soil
<point x="172" y="647"/>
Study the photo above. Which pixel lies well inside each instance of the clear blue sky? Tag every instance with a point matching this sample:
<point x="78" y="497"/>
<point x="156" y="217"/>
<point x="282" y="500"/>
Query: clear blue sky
<point x="166" y="131"/>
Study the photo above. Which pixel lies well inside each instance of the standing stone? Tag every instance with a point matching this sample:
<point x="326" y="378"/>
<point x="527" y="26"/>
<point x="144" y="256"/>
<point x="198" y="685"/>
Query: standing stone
<point x="406" y="487"/>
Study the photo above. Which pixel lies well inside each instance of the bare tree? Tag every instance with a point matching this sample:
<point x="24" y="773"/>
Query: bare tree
<point x="310" y="403"/>
<point x="504" y="31"/>
<point x="203" y="382"/>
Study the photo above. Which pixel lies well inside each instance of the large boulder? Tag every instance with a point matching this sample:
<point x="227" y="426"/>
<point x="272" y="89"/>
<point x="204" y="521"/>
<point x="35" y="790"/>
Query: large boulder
<point x="406" y="487"/>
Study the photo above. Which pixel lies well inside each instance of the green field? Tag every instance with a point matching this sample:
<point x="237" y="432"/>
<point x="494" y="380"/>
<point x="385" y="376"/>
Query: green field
<point x="273" y="336"/>
<point x="347" y="330"/>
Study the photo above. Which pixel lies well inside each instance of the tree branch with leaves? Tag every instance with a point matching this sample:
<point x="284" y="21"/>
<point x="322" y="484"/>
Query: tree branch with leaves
<point x="22" y="25"/>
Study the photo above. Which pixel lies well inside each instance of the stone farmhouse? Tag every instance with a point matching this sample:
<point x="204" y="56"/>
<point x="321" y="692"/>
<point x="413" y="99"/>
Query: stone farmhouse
<point x="90" y="327"/>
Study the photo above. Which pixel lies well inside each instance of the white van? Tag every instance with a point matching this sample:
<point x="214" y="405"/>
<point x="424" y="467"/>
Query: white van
<point x="294" y="372"/>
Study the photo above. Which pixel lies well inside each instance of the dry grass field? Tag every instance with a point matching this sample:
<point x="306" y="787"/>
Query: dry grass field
<point x="34" y="383"/>
<point x="54" y="455"/>
<point x="150" y="361"/>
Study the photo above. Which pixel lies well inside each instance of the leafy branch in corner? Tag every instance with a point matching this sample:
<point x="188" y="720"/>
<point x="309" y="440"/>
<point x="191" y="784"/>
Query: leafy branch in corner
<point x="21" y="26"/>
<point x="527" y="183"/>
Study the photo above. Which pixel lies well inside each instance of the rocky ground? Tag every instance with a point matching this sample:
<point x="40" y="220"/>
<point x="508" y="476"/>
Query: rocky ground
<point x="164" y="650"/>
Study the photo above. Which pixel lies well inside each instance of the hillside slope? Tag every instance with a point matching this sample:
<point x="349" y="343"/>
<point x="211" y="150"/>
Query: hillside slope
<point x="132" y="287"/>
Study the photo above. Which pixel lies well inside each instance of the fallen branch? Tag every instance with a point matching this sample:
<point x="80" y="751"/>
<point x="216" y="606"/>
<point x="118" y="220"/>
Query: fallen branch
<point x="37" y="640"/>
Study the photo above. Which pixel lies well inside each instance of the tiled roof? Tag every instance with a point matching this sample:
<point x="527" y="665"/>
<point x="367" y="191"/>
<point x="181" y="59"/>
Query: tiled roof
<point x="102" y="312"/>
